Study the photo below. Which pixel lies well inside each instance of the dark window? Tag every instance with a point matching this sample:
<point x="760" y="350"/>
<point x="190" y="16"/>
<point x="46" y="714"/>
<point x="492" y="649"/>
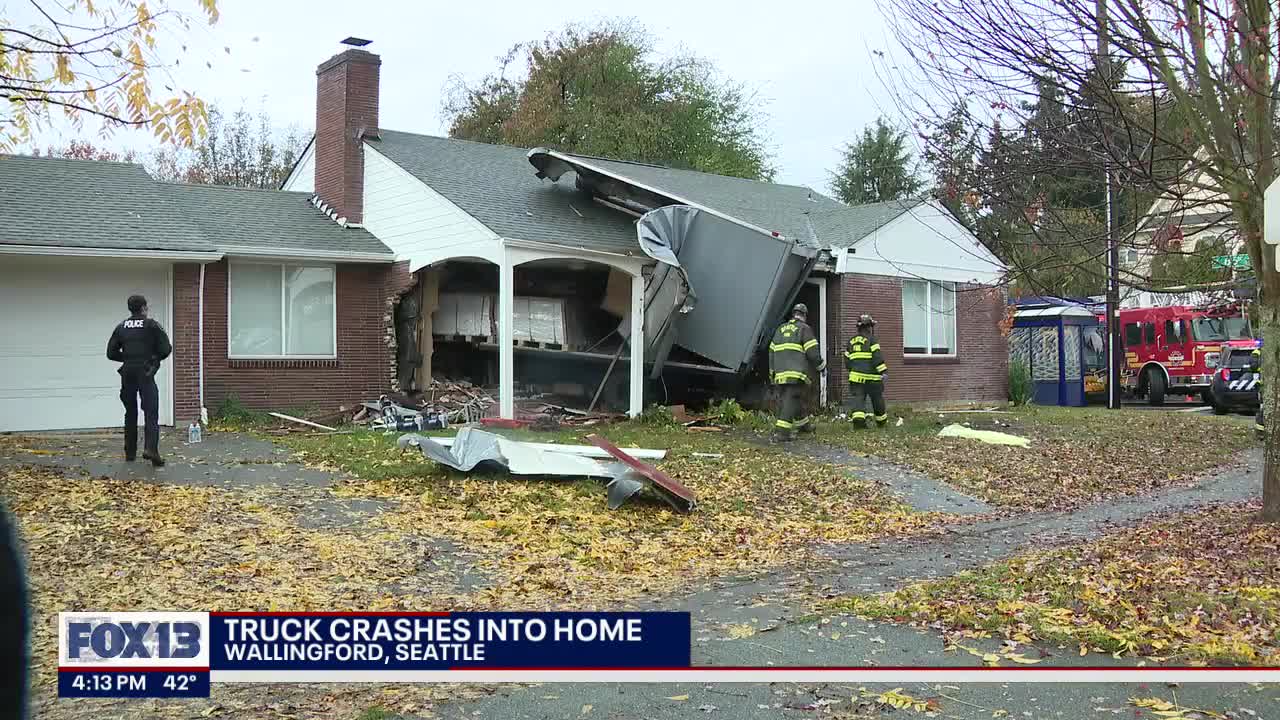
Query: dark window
<point x="1149" y="329"/>
<point x="1132" y="334"/>
<point x="1175" y="332"/>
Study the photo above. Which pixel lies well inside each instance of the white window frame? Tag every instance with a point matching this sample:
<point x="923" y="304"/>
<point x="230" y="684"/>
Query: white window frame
<point x="928" y="299"/>
<point x="231" y="268"/>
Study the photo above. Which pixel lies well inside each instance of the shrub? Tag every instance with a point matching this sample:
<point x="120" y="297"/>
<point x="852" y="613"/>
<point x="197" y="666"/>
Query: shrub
<point x="234" y="412"/>
<point x="1020" y="389"/>
<point x="658" y="416"/>
<point x="727" y="412"/>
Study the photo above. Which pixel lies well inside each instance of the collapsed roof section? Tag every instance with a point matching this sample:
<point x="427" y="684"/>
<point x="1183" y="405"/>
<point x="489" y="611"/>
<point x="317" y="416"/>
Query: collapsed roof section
<point x="720" y="283"/>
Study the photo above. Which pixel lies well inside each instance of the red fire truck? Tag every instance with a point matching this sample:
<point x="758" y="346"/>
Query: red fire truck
<point x="1174" y="349"/>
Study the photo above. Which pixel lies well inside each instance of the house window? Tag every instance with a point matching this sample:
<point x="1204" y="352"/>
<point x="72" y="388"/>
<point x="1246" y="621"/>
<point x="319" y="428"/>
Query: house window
<point x="928" y="318"/>
<point x="282" y="311"/>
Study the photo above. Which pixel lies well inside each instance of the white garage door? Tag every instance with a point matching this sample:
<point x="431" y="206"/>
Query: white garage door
<point x="56" y="315"/>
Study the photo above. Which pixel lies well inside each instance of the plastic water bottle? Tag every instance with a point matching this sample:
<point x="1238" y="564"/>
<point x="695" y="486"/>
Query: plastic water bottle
<point x="193" y="433"/>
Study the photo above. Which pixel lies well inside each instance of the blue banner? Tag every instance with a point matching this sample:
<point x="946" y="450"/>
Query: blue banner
<point x="444" y="641"/>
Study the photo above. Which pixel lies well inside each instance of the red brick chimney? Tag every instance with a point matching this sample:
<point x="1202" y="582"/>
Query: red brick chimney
<point x="346" y="113"/>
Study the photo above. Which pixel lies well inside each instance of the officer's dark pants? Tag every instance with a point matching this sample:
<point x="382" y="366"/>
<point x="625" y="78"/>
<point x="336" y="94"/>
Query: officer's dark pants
<point x="791" y="411"/>
<point x="859" y="393"/>
<point x="1258" y="422"/>
<point x="14" y="618"/>
<point x="135" y="385"/>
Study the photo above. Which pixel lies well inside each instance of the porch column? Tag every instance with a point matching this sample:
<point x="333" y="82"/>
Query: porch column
<point x="637" y="345"/>
<point x="506" y="337"/>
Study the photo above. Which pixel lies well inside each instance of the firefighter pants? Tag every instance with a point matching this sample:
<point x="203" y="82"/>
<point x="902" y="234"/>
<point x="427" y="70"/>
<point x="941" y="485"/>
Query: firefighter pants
<point x="1258" y="423"/>
<point x="859" y="393"/>
<point x="791" y="411"/>
<point x="135" y="386"/>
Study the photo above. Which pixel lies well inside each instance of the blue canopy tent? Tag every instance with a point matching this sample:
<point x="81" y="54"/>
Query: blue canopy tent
<point x="1058" y="341"/>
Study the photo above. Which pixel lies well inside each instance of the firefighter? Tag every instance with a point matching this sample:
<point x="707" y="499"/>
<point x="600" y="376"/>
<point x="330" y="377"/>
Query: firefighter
<point x="139" y="344"/>
<point x="793" y="352"/>
<point x="866" y="374"/>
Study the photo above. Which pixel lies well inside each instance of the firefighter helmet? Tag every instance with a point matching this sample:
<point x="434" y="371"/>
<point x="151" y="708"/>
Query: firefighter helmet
<point x="800" y="309"/>
<point x="866" y="320"/>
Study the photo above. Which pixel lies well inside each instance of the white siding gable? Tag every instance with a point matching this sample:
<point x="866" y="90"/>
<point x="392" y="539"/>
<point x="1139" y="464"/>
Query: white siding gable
<point x="419" y="224"/>
<point x="924" y="242"/>
<point x="303" y="176"/>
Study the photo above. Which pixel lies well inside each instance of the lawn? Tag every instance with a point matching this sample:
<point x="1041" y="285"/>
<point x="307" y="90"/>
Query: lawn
<point x="553" y="543"/>
<point x="401" y="532"/>
<point x="1078" y="456"/>
<point x="1200" y="587"/>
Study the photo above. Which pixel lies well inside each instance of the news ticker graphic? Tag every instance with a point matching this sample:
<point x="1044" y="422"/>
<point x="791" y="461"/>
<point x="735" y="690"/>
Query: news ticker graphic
<point x="177" y="654"/>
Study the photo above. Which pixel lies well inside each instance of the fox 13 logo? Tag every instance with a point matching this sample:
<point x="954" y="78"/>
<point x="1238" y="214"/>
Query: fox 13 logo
<point x="129" y="639"/>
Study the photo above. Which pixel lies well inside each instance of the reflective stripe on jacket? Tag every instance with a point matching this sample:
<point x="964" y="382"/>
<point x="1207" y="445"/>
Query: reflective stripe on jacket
<point x="864" y="361"/>
<point x="793" y="352"/>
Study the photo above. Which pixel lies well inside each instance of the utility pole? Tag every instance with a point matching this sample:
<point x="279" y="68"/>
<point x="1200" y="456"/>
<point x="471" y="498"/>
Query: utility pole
<point x="1114" y="348"/>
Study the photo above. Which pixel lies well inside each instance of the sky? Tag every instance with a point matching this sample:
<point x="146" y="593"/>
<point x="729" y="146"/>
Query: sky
<point x="810" y="62"/>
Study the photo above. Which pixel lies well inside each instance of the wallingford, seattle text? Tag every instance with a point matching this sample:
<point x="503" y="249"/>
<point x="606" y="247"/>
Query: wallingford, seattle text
<point x="413" y="639"/>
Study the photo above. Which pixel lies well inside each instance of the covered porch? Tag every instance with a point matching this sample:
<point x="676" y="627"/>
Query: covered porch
<point x="500" y="314"/>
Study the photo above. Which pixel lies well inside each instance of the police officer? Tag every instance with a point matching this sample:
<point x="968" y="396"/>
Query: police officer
<point x="140" y="345"/>
<point x="866" y="374"/>
<point x="792" y="353"/>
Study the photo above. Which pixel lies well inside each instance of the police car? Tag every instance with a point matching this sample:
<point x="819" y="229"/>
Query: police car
<point x="1235" y="381"/>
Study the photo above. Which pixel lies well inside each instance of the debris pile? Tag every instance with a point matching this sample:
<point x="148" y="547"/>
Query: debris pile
<point x="624" y="472"/>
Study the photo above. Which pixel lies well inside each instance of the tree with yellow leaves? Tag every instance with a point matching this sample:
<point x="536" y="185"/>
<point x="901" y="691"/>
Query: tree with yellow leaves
<point x="81" y="57"/>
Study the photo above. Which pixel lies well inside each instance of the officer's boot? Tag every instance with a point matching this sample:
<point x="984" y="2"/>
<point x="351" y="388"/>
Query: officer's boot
<point x="152" y="451"/>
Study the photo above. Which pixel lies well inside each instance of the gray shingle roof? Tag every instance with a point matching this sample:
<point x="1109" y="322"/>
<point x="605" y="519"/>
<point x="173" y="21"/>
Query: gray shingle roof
<point x="846" y="225"/>
<point x="496" y="185"/>
<point x="240" y="219"/>
<point x="90" y="204"/>
<point x="110" y="205"/>
<point x="770" y="206"/>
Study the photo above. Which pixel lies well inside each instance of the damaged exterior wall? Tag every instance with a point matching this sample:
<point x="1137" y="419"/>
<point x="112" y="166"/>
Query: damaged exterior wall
<point x="978" y="372"/>
<point x="365" y="365"/>
<point x="430" y="284"/>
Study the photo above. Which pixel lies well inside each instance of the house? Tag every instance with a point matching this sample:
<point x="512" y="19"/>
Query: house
<point x="1195" y="214"/>
<point x="389" y="257"/>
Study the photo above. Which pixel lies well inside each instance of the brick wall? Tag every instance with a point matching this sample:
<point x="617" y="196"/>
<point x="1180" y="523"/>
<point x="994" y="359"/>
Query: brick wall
<point x="836" y="339"/>
<point x="186" y="346"/>
<point x="346" y="112"/>
<point x="364" y="368"/>
<point x="977" y="373"/>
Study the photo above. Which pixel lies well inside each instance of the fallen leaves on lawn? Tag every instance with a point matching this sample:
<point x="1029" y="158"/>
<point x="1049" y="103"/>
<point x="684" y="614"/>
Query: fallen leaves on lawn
<point x="545" y="543"/>
<point x="1078" y="456"/>
<point x="1201" y="586"/>
<point x="101" y="544"/>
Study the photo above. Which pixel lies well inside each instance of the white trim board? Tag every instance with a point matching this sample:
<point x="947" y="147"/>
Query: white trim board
<point x="64" y="251"/>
